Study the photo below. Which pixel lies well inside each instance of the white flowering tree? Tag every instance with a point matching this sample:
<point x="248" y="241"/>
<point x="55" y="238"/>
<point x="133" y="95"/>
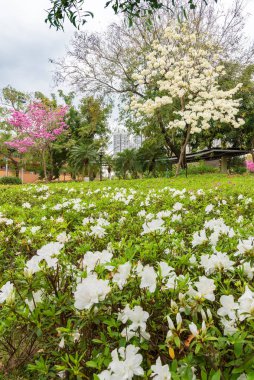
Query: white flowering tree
<point x="183" y="71"/>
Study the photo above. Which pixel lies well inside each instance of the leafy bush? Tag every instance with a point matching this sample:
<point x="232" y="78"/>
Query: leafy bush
<point x="10" y="181"/>
<point x="238" y="165"/>
<point x="238" y="170"/>
<point x="128" y="280"/>
<point x="201" y="168"/>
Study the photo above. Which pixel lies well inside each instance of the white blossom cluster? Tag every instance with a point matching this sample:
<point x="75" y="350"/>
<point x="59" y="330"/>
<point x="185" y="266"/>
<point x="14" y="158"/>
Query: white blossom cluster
<point x="186" y="68"/>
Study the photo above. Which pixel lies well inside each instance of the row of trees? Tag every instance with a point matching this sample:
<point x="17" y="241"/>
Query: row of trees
<point x="45" y="136"/>
<point x="40" y="134"/>
<point x="176" y="83"/>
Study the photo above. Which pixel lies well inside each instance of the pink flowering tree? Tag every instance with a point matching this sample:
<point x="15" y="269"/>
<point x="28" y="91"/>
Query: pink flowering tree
<point x="36" y="129"/>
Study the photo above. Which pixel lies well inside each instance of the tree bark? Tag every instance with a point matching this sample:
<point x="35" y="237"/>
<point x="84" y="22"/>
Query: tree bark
<point x="182" y="157"/>
<point x="44" y="165"/>
<point x="224" y="165"/>
<point x="168" y="141"/>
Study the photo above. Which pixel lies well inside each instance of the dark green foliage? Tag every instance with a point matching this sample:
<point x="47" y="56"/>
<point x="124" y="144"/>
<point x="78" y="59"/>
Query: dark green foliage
<point x="73" y="10"/>
<point x="10" y="181"/>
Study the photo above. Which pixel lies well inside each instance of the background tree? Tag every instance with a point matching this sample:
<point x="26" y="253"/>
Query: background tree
<point x="83" y="158"/>
<point x="10" y="99"/>
<point x="36" y="129"/>
<point x="126" y="163"/>
<point x="152" y="157"/>
<point x="242" y="138"/>
<point x="89" y="133"/>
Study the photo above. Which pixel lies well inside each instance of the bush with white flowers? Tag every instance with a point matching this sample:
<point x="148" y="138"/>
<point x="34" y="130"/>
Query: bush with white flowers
<point x="136" y="280"/>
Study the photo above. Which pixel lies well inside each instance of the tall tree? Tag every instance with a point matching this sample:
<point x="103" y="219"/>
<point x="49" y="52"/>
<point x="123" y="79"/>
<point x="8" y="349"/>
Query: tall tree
<point x="103" y="64"/>
<point x="89" y="133"/>
<point x="184" y="70"/>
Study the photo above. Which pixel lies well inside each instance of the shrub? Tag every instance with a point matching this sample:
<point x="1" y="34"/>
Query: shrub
<point x="10" y="181"/>
<point x="200" y="168"/>
<point x="127" y="280"/>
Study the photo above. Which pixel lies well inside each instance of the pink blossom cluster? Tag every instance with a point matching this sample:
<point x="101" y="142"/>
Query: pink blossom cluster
<point x="38" y="126"/>
<point x="250" y="166"/>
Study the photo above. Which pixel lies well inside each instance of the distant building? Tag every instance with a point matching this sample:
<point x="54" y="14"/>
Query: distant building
<point x="121" y="141"/>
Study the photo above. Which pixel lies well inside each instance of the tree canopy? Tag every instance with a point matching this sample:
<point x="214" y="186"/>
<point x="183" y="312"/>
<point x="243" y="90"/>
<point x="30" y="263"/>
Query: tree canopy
<point x="73" y="10"/>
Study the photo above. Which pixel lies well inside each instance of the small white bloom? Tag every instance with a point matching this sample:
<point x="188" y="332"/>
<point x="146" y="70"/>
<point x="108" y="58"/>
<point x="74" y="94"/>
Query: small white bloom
<point x="7" y="293"/>
<point x="205" y="288"/>
<point x="26" y="205"/>
<point x="62" y="343"/>
<point x="193" y="329"/>
<point x="209" y="208"/>
<point x="122" y="274"/>
<point x="148" y="278"/>
<point x="160" y="372"/>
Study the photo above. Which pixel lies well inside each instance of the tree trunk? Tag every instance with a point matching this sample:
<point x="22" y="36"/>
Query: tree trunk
<point x="224" y="165"/>
<point x="16" y="166"/>
<point x="168" y="141"/>
<point x="44" y="165"/>
<point x="182" y="157"/>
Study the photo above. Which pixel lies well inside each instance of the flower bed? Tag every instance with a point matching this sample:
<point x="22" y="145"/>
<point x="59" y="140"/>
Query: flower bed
<point x="128" y="280"/>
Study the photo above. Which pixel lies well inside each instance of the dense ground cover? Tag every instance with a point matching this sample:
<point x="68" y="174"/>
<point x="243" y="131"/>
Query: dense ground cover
<point x="128" y="280"/>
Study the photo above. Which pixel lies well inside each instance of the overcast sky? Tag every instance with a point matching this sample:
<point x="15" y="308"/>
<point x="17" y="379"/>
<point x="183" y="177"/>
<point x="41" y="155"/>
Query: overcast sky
<point x="27" y="43"/>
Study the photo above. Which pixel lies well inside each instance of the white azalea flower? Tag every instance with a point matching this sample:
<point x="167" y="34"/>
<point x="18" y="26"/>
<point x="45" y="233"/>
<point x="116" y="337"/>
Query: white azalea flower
<point x="248" y="270"/>
<point x="229" y="307"/>
<point x="193" y="329"/>
<point x="148" y="278"/>
<point x="246" y="304"/>
<point x="218" y="261"/>
<point x="165" y="269"/>
<point x="63" y="237"/>
<point x="125" y="364"/>
<point x="122" y="274"/>
<point x="209" y="208"/>
<point x="138" y="317"/>
<point x="155" y="225"/>
<point x="160" y="372"/>
<point x="245" y="246"/>
<point x="199" y="238"/>
<point x="32" y="266"/>
<point x="7" y="293"/>
<point x="177" y="206"/>
<point x="205" y="288"/>
<point x="91" y="290"/>
<point x="62" y="343"/>
<point x="229" y="326"/>
<point x="26" y="205"/>
<point x="91" y="260"/>
<point x="35" y="229"/>
<point x="36" y="298"/>
<point x="98" y="231"/>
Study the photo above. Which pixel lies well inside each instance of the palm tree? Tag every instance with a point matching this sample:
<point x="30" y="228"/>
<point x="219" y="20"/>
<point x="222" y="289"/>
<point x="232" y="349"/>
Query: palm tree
<point x="126" y="163"/>
<point x="83" y="158"/>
